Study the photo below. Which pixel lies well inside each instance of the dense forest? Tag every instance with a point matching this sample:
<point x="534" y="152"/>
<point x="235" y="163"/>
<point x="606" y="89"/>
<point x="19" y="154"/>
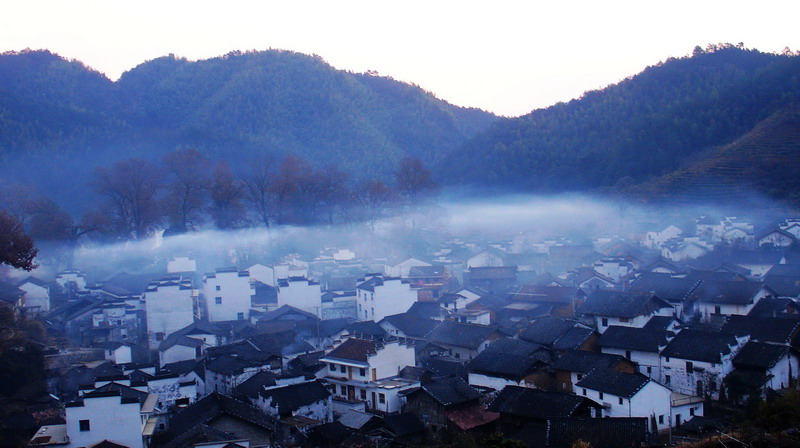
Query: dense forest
<point x="650" y="124"/>
<point x="59" y="119"/>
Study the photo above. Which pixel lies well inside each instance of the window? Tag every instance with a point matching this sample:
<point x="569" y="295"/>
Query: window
<point x="83" y="425"/>
<point x="218" y="300"/>
<point x="713" y="385"/>
<point x="382" y="398"/>
<point x="343" y="368"/>
<point x="605" y="322"/>
<point x="661" y="419"/>
<point x="458" y="355"/>
<point x="240" y="316"/>
<point x="362" y="371"/>
<point x="219" y="288"/>
<point x="343" y="388"/>
<point x="363" y="394"/>
<point x="579" y="376"/>
<point x="666" y="359"/>
<point x="717" y="310"/>
<point x="649" y="370"/>
<point x="624" y="319"/>
<point x="691" y="411"/>
<point x="621" y="400"/>
<point x="689" y="366"/>
<point x="601" y="395"/>
<point x="584" y="392"/>
<point x="666" y="379"/>
<point x="159" y="336"/>
<point x="628" y="354"/>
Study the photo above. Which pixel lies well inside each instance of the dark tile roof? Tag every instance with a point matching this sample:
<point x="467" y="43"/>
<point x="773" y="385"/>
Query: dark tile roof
<point x="547" y="330"/>
<point x="180" y="367"/>
<point x="288" y="399"/>
<point x="425" y="271"/>
<point x="612" y="382"/>
<point x="354" y="349"/>
<point x="599" y="432"/>
<point x="789" y="270"/>
<point x="366" y="329"/>
<point x="199" y="434"/>
<point x="402" y="425"/>
<point x="124" y="391"/>
<point x="32" y="279"/>
<point x="783" y="285"/>
<point x="411" y="325"/>
<point x="255" y="384"/>
<point x="460" y="334"/>
<point x="215" y="405"/>
<point x="759" y="355"/>
<point x="727" y="292"/>
<point x="510" y="358"/>
<point x="573" y="338"/>
<point x="470" y="417"/>
<point x="426" y="310"/>
<point x="622" y="304"/>
<point x="546" y="294"/>
<point x="763" y="329"/>
<point x="538" y="404"/>
<point x="196" y="327"/>
<point x="10" y="293"/>
<point x="775" y="307"/>
<point x="581" y="361"/>
<point x="449" y="391"/>
<point x="108" y="444"/>
<point x="286" y="310"/>
<point x="444" y="367"/>
<point x="662" y="323"/>
<point x="630" y="338"/>
<point x="231" y="365"/>
<point x="697" y="345"/>
<point x="670" y="288"/>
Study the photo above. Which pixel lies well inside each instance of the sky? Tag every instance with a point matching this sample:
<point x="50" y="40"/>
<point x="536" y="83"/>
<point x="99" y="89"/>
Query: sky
<point x="506" y="57"/>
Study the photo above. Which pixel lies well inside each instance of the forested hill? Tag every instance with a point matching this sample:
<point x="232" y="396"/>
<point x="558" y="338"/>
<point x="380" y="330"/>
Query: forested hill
<point x="58" y="115"/>
<point x="648" y="125"/>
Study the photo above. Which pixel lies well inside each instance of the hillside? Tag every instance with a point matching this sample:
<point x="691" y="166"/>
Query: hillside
<point x="60" y="116"/>
<point x="763" y="160"/>
<point x="641" y="128"/>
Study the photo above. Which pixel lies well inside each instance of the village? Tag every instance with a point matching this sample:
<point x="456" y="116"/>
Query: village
<point x="620" y="341"/>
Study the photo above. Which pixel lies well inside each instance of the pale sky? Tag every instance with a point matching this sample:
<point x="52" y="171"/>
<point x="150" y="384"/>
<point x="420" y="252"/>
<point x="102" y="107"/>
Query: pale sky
<point x="507" y="57"/>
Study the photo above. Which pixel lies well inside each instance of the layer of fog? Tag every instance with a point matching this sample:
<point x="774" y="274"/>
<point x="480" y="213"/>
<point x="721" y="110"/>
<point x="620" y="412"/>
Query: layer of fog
<point x="578" y="219"/>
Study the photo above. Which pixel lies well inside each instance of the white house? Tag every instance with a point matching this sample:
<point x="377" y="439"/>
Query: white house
<point x="696" y="362"/>
<point x="777" y="364"/>
<point x="116" y="413"/>
<point x="378" y="296"/>
<point x="777" y="238"/>
<point x="310" y="399"/>
<point x="300" y="293"/>
<point x="640" y="345"/>
<point x="628" y="309"/>
<point x="628" y="395"/>
<point x="717" y="297"/>
<point x="69" y="280"/>
<point x="37" y="294"/>
<point x="365" y="370"/>
<point x="400" y="269"/>
<point x="655" y="240"/>
<point x="263" y="274"/>
<point x="170" y="304"/>
<point x="228" y="295"/>
<point x="491" y="257"/>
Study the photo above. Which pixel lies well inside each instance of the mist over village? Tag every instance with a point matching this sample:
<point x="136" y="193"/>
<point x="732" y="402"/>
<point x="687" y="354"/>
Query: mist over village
<point x="205" y="248"/>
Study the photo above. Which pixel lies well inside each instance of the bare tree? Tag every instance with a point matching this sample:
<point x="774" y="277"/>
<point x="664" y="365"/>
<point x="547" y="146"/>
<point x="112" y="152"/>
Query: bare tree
<point x="414" y="180"/>
<point x="374" y="199"/>
<point x="257" y="187"/>
<point x="226" y="198"/>
<point x="131" y="187"/>
<point x="187" y="190"/>
<point x="16" y="248"/>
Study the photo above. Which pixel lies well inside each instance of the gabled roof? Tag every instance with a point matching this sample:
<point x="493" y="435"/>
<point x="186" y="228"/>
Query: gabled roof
<point x="763" y="329"/>
<point x="401" y="425"/>
<point x="33" y="280"/>
<point x="665" y="286"/>
<point x="284" y="311"/>
<point x="510" y="358"/>
<point x="290" y="398"/>
<point x="449" y="391"/>
<point x="460" y="334"/>
<point x="696" y="345"/>
<point x="231" y="365"/>
<point x="759" y="355"/>
<point x="354" y="419"/>
<point x="122" y="390"/>
<point x="622" y="304"/>
<point x="630" y="338"/>
<point x="410" y="324"/>
<point x="727" y="292"/>
<point x="426" y="310"/>
<point x="547" y="330"/>
<point x="599" y="432"/>
<point x="366" y="329"/>
<point x="783" y="285"/>
<point x="256" y="383"/>
<point x="563" y="295"/>
<point x="609" y="381"/>
<point x="774" y="307"/>
<point x="573" y="338"/>
<point x="426" y="271"/>
<point x="790" y="270"/>
<point x="538" y="404"/>
<point x="662" y="323"/>
<point x="215" y="405"/>
<point x="581" y="361"/>
<point x="354" y="350"/>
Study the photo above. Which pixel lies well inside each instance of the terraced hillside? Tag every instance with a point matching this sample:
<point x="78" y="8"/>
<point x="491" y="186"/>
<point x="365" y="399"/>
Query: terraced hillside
<point x="766" y="160"/>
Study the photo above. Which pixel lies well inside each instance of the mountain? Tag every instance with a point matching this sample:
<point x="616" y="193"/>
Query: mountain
<point x="59" y="118"/>
<point x="763" y="160"/>
<point x="644" y="127"/>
